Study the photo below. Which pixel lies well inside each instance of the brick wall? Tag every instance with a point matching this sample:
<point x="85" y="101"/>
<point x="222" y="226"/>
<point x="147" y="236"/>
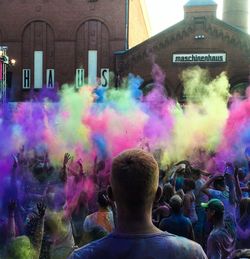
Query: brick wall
<point x="65" y="30"/>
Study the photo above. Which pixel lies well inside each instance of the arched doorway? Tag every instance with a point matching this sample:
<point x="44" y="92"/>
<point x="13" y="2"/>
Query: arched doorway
<point x="92" y="35"/>
<point x="38" y="36"/>
<point x="239" y="88"/>
<point x="148" y="86"/>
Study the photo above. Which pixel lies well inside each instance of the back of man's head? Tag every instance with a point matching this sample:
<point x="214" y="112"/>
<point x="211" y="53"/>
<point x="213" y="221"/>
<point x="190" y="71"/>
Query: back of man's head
<point x="134" y="178"/>
<point x="102" y="199"/>
<point x="176" y="203"/>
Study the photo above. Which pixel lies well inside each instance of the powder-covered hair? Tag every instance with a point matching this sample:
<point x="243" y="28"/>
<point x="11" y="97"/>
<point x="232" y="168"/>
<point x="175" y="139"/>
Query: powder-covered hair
<point x="134" y="177"/>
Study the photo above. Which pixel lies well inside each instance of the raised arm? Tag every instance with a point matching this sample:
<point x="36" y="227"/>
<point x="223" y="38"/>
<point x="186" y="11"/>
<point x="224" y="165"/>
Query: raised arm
<point x="229" y="180"/>
<point x="205" y="187"/>
<point x="63" y="173"/>
<point x="11" y="231"/>
<point x="37" y="236"/>
<point x="174" y="182"/>
<point x="237" y="184"/>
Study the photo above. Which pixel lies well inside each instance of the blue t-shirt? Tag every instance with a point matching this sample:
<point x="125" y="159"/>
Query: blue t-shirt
<point x="177" y="224"/>
<point x="142" y="246"/>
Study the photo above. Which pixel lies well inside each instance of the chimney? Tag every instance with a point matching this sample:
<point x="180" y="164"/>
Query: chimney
<point x="235" y="13"/>
<point x="197" y="8"/>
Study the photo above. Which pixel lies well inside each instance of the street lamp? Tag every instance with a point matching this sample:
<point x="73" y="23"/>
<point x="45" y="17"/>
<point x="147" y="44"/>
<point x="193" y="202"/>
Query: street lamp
<point x="4" y="63"/>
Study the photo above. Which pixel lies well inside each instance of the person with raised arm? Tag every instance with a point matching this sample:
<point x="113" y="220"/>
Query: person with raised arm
<point x="134" y="187"/>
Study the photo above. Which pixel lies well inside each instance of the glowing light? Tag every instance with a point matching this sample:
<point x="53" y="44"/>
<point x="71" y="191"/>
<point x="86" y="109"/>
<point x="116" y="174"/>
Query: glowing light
<point x="13" y="62"/>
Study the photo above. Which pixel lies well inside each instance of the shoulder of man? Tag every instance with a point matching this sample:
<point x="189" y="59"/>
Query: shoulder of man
<point x="217" y="234"/>
<point x="87" y="251"/>
<point x="181" y="246"/>
<point x="188" y="247"/>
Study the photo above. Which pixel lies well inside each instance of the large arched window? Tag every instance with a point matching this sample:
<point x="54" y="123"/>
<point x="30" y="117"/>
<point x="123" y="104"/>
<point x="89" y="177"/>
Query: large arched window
<point x="92" y="35"/>
<point x="148" y="86"/>
<point x="38" y="36"/>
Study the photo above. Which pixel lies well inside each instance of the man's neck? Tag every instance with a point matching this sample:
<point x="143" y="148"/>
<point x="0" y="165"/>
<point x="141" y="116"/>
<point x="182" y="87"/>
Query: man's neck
<point x="135" y="223"/>
<point x="219" y="224"/>
<point x="102" y="209"/>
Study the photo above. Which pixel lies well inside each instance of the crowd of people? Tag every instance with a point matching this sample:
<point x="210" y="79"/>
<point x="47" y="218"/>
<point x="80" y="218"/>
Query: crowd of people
<point x="127" y="208"/>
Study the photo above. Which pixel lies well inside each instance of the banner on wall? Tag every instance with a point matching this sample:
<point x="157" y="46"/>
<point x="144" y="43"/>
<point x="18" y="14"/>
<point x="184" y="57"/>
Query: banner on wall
<point x="79" y="77"/>
<point x="50" y="78"/>
<point x="26" y="78"/>
<point x="105" y="77"/>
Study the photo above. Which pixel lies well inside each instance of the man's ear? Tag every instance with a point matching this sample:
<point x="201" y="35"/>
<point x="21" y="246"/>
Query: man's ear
<point x="110" y="193"/>
<point x="212" y="212"/>
<point x="158" y="194"/>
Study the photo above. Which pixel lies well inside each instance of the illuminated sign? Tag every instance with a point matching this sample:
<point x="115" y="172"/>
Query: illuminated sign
<point x="200" y="58"/>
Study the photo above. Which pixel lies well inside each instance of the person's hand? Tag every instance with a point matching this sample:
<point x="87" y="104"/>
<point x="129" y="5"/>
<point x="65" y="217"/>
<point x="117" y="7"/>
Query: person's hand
<point x="236" y="171"/>
<point x="11" y="206"/>
<point x="41" y="207"/>
<point x="229" y="170"/>
<point x="229" y="164"/>
<point x="66" y="158"/>
<point x="80" y="163"/>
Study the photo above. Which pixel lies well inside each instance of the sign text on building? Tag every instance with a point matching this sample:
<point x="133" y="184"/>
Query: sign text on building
<point x="200" y="57"/>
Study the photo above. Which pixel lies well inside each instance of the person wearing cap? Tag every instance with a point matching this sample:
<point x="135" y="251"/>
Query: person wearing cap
<point x="134" y="188"/>
<point x="220" y="243"/>
<point x="224" y="190"/>
<point x="177" y="223"/>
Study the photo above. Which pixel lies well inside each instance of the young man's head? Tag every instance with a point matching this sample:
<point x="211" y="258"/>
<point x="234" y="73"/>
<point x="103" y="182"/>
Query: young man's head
<point x="176" y="203"/>
<point x="219" y="184"/>
<point x="102" y="199"/>
<point x="168" y="192"/>
<point x="215" y="210"/>
<point x="134" y="180"/>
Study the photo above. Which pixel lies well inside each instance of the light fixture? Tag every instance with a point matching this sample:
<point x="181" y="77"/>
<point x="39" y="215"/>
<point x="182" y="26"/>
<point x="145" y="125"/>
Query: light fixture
<point x="199" y="37"/>
<point x="13" y="62"/>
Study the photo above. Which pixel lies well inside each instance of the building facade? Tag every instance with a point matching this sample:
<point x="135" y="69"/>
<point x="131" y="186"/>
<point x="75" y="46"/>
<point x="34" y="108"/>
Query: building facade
<point x="52" y="39"/>
<point x="57" y="35"/>
<point x="200" y="39"/>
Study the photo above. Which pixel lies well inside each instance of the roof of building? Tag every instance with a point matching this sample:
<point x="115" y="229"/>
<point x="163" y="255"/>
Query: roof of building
<point x="200" y="3"/>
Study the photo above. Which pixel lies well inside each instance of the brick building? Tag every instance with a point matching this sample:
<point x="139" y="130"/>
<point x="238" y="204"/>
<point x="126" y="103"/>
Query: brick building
<point x="118" y="31"/>
<point x="200" y="39"/>
<point x="63" y="31"/>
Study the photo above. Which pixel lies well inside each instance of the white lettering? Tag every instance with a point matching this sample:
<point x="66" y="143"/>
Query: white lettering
<point x="200" y="57"/>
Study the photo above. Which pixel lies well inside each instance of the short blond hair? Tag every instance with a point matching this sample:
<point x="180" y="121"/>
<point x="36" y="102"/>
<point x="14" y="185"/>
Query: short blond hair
<point x="135" y="176"/>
